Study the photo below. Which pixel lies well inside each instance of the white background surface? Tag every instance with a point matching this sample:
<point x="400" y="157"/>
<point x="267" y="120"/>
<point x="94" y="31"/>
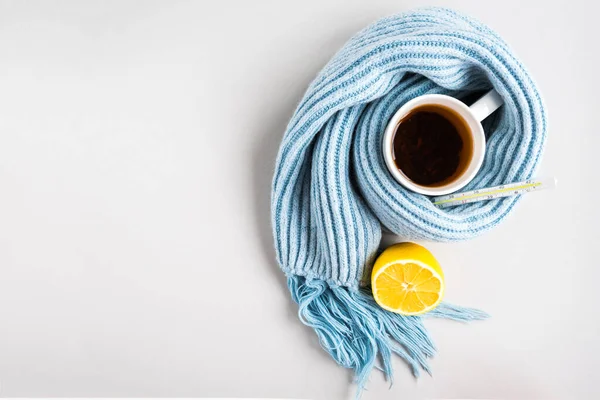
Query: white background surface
<point x="137" y="146"/>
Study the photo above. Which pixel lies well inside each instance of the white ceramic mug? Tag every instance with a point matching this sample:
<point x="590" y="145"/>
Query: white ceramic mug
<point x="472" y="116"/>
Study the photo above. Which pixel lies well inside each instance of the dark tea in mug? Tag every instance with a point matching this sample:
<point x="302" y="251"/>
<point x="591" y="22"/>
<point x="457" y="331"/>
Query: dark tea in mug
<point x="432" y="145"/>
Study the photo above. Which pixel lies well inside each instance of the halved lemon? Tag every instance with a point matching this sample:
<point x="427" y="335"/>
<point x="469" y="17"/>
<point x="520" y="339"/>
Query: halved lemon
<point x="407" y="279"/>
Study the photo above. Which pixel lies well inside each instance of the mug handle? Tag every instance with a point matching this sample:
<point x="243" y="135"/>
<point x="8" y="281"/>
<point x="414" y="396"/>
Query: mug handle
<point x="486" y="105"/>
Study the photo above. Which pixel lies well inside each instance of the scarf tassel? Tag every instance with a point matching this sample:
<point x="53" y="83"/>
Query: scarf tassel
<point x="355" y="331"/>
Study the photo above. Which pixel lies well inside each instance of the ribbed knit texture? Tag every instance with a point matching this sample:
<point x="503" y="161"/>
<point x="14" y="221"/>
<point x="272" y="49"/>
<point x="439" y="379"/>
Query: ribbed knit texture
<point x="332" y="191"/>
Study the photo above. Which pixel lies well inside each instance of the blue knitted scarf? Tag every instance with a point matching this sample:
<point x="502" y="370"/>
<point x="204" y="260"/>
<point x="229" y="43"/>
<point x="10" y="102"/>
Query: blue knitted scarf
<point x="332" y="193"/>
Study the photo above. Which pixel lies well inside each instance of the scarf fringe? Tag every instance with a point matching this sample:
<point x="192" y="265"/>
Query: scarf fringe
<point x="355" y="331"/>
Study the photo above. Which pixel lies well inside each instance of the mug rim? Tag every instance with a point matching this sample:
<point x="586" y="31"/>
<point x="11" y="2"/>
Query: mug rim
<point x="475" y="129"/>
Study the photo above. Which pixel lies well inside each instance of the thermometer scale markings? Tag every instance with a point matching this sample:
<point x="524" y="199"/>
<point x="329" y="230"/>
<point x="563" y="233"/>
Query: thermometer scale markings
<point x="495" y="192"/>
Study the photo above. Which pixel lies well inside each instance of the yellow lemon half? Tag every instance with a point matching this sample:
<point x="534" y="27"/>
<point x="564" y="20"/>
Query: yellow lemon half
<point x="407" y="279"/>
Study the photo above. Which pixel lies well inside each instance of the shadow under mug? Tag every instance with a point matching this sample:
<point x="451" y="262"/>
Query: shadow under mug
<point x="472" y="116"/>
